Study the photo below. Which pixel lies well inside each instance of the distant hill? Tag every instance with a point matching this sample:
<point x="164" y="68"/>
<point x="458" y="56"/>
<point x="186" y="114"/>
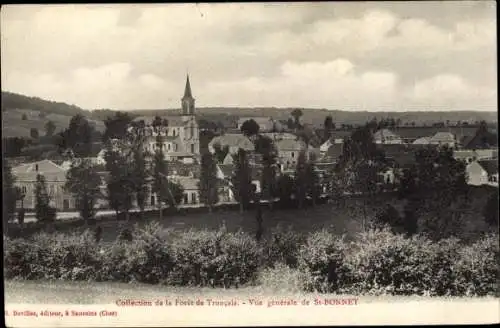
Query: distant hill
<point x="22" y="113"/>
<point x="12" y="101"/>
<point x="316" y="117"/>
<point x="37" y="112"/>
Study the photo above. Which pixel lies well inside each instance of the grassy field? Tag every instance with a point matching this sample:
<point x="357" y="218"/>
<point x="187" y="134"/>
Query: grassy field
<point x="62" y="292"/>
<point x="14" y="126"/>
<point x="305" y="220"/>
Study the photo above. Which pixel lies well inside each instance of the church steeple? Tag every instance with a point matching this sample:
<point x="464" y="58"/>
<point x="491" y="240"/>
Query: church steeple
<point x="187" y="100"/>
<point x="187" y="89"/>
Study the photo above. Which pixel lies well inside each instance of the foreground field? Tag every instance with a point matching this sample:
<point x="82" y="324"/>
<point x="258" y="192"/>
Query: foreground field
<point x="306" y="220"/>
<point x="62" y="292"/>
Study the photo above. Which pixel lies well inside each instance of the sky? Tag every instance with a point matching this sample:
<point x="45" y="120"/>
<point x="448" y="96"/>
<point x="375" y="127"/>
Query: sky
<point x="374" y="56"/>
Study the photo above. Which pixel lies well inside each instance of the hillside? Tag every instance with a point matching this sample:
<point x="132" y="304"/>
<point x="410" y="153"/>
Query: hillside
<point x="317" y="116"/>
<point x="21" y="113"/>
<point x="37" y="112"/>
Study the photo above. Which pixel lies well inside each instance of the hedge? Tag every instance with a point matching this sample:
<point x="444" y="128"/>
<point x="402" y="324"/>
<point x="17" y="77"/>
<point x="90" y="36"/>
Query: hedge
<point x="375" y="262"/>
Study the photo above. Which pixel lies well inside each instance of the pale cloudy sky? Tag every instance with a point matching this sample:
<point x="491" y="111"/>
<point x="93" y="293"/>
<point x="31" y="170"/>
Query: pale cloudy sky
<point x="348" y="56"/>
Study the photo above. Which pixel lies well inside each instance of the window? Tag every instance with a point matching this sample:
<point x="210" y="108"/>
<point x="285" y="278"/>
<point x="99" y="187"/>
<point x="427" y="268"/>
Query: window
<point x="173" y="132"/>
<point x="51" y="189"/>
<point x="192" y="148"/>
<point x="175" y="147"/>
<point x="192" y="132"/>
<point x="168" y="146"/>
<point x="186" y="198"/>
<point x="23" y="188"/>
<point x="193" y="198"/>
<point x="293" y="154"/>
<point x="36" y="167"/>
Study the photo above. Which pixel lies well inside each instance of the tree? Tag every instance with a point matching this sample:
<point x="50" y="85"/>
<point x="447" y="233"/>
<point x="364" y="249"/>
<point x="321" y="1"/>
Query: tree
<point x="157" y="122"/>
<point x="313" y="185"/>
<point x="140" y="176"/>
<point x="437" y="185"/>
<point x="83" y="181"/>
<point x="265" y="147"/>
<point x="13" y="146"/>
<point x="43" y="211"/>
<point x="389" y="216"/>
<point x="220" y="152"/>
<point x="176" y="192"/>
<point x="490" y="211"/>
<point x="285" y="189"/>
<point x="77" y="137"/>
<point x="34" y="133"/>
<point x="328" y="126"/>
<point x="302" y="182"/>
<point x="50" y="128"/>
<point x="10" y="193"/>
<point x="208" y="184"/>
<point x="116" y="126"/>
<point x="160" y="180"/>
<point x="359" y="165"/>
<point x="242" y="179"/>
<point x="120" y="183"/>
<point x="296" y="114"/>
<point x="250" y="128"/>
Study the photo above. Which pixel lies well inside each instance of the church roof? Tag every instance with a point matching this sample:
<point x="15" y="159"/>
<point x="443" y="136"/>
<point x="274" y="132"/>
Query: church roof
<point x="173" y="120"/>
<point x="187" y="89"/>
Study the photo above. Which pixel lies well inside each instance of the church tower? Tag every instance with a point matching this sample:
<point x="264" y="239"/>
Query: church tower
<point x="191" y="131"/>
<point x="187" y="100"/>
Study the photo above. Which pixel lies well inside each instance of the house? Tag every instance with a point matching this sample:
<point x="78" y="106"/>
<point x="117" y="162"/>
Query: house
<point x="483" y="173"/>
<point x="325" y="146"/>
<point x="386" y="136"/>
<point x="179" y="134"/>
<point x="288" y="152"/>
<point x="483" y="139"/>
<point x="228" y="159"/>
<point x="96" y="156"/>
<point x="266" y="124"/>
<point x="443" y="139"/>
<point x="333" y="153"/>
<point x="422" y="141"/>
<point x="276" y="136"/>
<point x="55" y="178"/>
<point x="233" y="141"/>
<point x="191" y="189"/>
<point x="225" y="173"/>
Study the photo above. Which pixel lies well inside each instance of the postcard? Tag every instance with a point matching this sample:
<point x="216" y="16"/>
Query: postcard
<point x="250" y="164"/>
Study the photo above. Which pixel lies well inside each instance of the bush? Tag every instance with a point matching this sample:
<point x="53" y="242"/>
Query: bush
<point x="389" y="216"/>
<point x="145" y="258"/>
<point x="214" y="258"/>
<point x="477" y="268"/>
<point x="52" y="257"/>
<point x="16" y="258"/>
<point x="385" y="263"/>
<point x="322" y="258"/>
<point x="282" y="278"/>
<point x="376" y="262"/>
<point x="283" y="247"/>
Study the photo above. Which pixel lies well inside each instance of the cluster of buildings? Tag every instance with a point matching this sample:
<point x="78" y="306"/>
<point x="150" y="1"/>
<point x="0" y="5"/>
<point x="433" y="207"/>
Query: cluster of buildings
<point x="179" y="138"/>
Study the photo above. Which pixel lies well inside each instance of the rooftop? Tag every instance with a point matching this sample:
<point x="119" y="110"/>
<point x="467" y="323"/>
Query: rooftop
<point x="490" y="166"/>
<point x="233" y="140"/>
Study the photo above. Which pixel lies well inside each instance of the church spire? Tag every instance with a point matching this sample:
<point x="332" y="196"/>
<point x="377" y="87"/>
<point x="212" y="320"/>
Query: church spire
<point x="187" y="89"/>
<point x="187" y="100"/>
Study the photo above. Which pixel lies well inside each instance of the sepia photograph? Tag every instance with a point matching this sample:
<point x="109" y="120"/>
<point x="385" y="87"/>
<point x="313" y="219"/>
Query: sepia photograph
<point x="250" y="164"/>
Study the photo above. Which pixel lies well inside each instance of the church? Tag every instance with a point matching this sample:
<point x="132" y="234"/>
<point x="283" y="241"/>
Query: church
<point x="179" y="134"/>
